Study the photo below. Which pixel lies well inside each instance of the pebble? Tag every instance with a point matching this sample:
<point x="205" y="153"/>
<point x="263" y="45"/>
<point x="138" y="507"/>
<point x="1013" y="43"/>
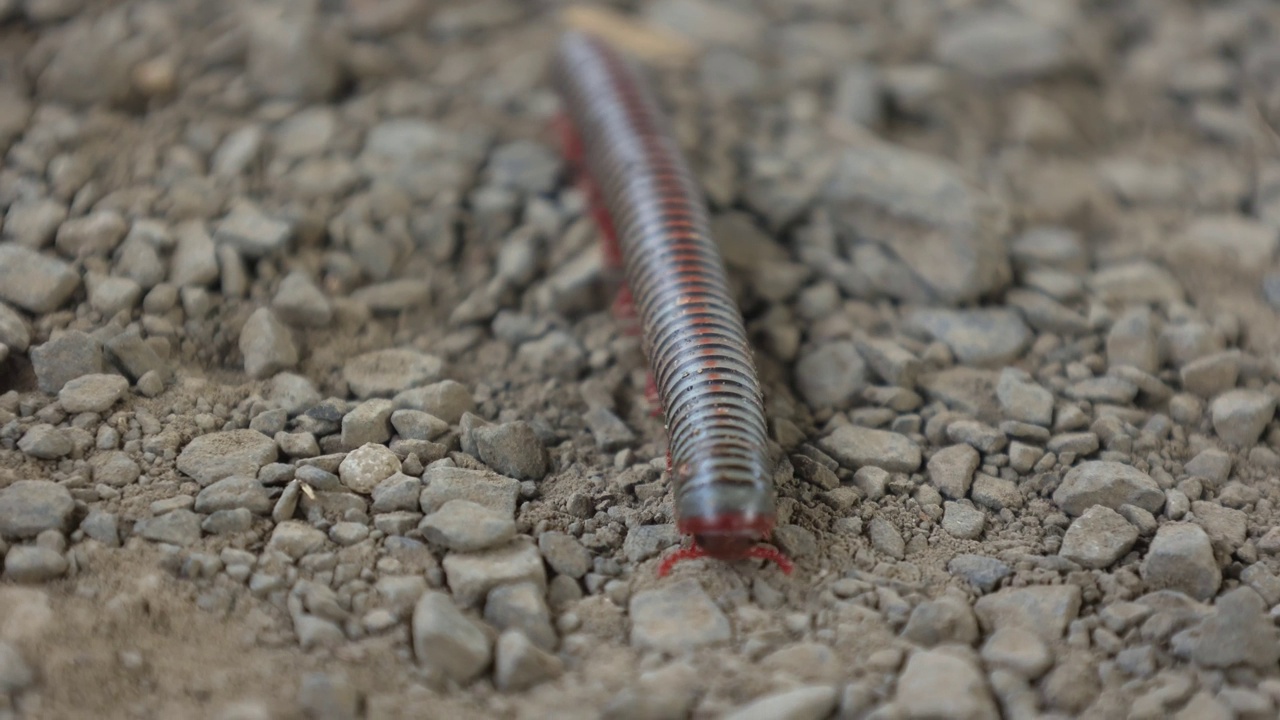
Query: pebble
<point x="667" y="692"/>
<point x="465" y="526"/>
<point x="886" y="538"/>
<point x="102" y="526"/>
<point x="448" y="400"/>
<point x="1132" y="341"/>
<point x="136" y="356"/>
<point x="566" y="555"/>
<point x="14" y="332"/>
<point x="963" y="521"/>
<point x="854" y="447"/>
<point x="890" y="361"/>
<point x="195" y="258"/>
<point x="951" y="470"/>
<point x="944" y="683"/>
<point x="287" y="57"/>
<point x="267" y="345"/>
<point x="97" y="233"/>
<point x="676" y="618"/>
<point x="393" y="296"/>
<point x="34" y="281"/>
<point x="1107" y="483"/>
<point x="214" y="456"/>
<point x="112" y="295"/>
<point x="1211" y="375"/>
<point x="945" y="620"/>
<point x="646" y="541"/>
<point x="981" y="571"/>
<point x="520" y="665"/>
<point x="300" y="303"/>
<point x="1134" y="283"/>
<point x="1046" y="610"/>
<point x="1239" y="632"/>
<point x="610" y="432"/>
<point x="177" y="527"/>
<point x="326" y="696"/>
<point x="813" y="702"/>
<point x="252" y="233"/>
<point x="367" y="423"/>
<point x="1098" y="538"/>
<point x="832" y="375"/>
<point x="1181" y="558"/>
<point x="92" y="393"/>
<point x="1240" y="416"/>
<point x="30" y="507"/>
<point x="383" y="373"/>
<point x="1225" y="526"/>
<point x="32" y="564"/>
<point x="979" y="338"/>
<point x="472" y="575"/>
<point x="33" y="222"/>
<point x="895" y="197"/>
<point x="1018" y="650"/>
<point x="296" y="539"/>
<point x="443" y="484"/>
<point x="364" y="468"/>
<point x="556" y="354"/>
<point x="1023" y="400"/>
<point x="115" y="468"/>
<point x="45" y="442"/>
<point x="65" y="357"/>
<point x="445" y="641"/>
<point x="399" y="492"/>
<point x="237" y="151"/>
<point x="707" y="23"/>
<point x="232" y="493"/>
<point x="512" y="449"/>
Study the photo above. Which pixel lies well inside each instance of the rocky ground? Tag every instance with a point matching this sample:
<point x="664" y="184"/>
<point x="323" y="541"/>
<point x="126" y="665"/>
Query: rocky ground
<point x="312" y="405"/>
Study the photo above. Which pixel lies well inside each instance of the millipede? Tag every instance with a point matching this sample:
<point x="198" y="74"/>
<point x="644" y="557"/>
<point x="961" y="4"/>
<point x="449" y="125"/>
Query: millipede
<point x="654" y="229"/>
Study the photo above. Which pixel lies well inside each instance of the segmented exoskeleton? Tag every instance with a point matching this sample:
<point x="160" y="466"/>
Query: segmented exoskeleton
<point x="654" y="222"/>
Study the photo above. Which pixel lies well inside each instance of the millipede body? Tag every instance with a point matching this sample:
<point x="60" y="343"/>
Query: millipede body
<point x="655" y="228"/>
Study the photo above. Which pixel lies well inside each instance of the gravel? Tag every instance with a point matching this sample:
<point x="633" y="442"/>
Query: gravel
<point x="305" y="330"/>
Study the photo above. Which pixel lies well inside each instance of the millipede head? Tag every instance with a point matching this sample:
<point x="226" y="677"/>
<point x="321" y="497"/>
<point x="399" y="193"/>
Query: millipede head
<point x="727" y="537"/>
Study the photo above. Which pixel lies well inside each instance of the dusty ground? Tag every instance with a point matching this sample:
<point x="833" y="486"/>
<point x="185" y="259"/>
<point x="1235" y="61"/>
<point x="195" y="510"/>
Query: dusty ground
<point x="312" y="406"/>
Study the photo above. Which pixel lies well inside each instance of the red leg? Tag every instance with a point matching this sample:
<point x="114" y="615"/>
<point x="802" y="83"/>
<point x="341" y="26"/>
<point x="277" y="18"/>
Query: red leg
<point x="651" y="395"/>
<point x="769" y="552"/>
<point x="689" y="553"/>
<point x="570" y="143"/>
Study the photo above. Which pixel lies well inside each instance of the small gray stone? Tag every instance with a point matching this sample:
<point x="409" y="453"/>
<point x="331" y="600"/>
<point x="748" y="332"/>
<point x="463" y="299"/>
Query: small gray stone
<point x="267" y="345"/>
<point x="228" y="522"/>
<point x="962" y="520"/>
<point x="556" y="354"/>
<point x="234" y="492"/>
<point x="364" y="468"/>
<point x="296" y="539"/>
<point x="1181" y="558"/>
<point x="1046" y="610"/>
<point x="886" y="538"/>
<point x="325" y="696"/>
<point x="1211" y="375"/>
<point x="97" y="233"/>
<point x="369" y="422"/>
<point x="941" y="683"/>
<point x="1107" y="483"/>
<point x="677" y="618"/>
<point x="33" y="281"/>
<point x="65" y="357"/>
<point x="1098" y="538"/>
<point x="1239" y="632"/>
<point x="1000" y="44"/>
<point x="211" y="457"/>
<point x="418" y="425"/>
<point x="1211" y="464"/>
<point x="854" y="447"/>
<point x="522" y="606"/>
<point x="14" y="332"/>
<point x="472" y="575"/>
<point x="383" y="373"/>
<point x="448" y="483"/>
<point x="45" y="442"/>
<point x="513" y="449"/>
<point x="176" y="527"/>
<point x="1240" y="416"/>
<point x="92" y="393"/>
<point x="30" y="507"/>
<point x="33" y="222"/>
<point x="1018" y="650"/>
<point x="252" y="233"/>
<point x="115" y="468"/>
<point x="1225" y="526"/>
<point x="102" y="526"/>
<point x="981" y="571"/>
<point x="646" y="541"/>
<point x="523" y="165"/>
<point x="33" y="564"/>
<point x="520" y="665"/>
<point x="1132" y="341"/>
<point x="980" y="338"/>
<point x="112" y="295"/>
<point x="293" y="393"/>
<point x="1024" y="400"/>
<point x="137" y="357"/>
<point x="951" y="470"/>
<point x="446" y="641"/>
<point x="832" y="375"/>
<point x="565" y="554"/>
<point x="447" y="400"/>
<point x="300" y="303"/>
<point x="1135" y="282"/>
<point x="195" y="259"/>
<point x="15" y="674"/>
<point x="464" y="526"/>
<point x="610" y="432"/>
<point x="813" y="702"/>
<point x="397" y="492"/>
<point x="949" y="619"/>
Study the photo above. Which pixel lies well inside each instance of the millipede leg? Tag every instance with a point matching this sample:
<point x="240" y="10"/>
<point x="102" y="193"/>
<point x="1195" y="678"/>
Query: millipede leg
<point x="654" y="399"/>
<point x="690" y="553"/>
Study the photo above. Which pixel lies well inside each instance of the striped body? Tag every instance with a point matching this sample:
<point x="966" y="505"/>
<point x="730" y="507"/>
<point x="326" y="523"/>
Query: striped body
<point x="692" y="331"/>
